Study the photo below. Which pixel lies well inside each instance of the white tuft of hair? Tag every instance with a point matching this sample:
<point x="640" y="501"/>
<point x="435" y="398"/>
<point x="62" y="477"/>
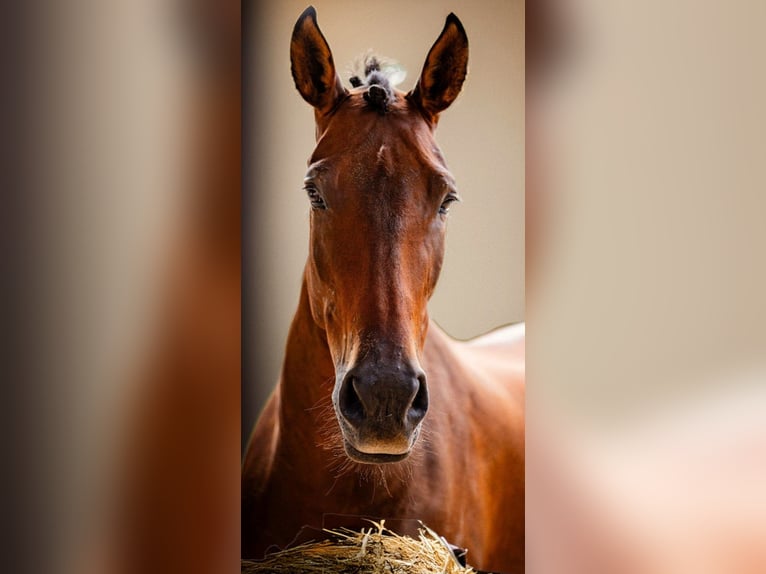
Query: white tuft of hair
<point x="392" y="70"/>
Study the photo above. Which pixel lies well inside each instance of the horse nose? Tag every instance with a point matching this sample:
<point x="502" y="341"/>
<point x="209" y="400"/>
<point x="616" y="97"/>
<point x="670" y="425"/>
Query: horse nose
<point x="392" y="398"/>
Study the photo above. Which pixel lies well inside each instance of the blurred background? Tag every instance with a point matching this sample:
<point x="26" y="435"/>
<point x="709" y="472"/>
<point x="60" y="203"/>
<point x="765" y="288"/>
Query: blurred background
<point x="645" y="276"/>
<point x="481" y="136"/>
<point x="646" y="315"/>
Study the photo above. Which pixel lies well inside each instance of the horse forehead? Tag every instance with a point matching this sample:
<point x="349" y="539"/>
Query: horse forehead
<point x="388" y="158"/>
<point x="400" y="135"/>
<point x="387" y="168"/>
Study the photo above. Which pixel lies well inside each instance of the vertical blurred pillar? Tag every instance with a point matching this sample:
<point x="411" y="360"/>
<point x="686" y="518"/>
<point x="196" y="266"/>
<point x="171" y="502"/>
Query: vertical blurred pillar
<point x="181" y="479"/>
<point x="128" y="283"/>
<point x="646" y="339"/>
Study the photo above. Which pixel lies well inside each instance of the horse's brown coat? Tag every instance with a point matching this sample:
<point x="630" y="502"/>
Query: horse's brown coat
<point x="377" y="243"/>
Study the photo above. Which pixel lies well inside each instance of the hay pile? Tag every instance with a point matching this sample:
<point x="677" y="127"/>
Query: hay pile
<point x="377" y="551"/>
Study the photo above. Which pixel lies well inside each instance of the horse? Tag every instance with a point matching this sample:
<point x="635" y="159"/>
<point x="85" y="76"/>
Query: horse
<point x="377" y="412"/>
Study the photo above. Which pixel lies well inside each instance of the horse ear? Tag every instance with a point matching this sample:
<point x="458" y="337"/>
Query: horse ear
<point x="312" y="64"/>
<point x="444" y="71"/>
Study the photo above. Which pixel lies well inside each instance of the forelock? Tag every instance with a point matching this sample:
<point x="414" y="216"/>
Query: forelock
<point x="378" y="75"/>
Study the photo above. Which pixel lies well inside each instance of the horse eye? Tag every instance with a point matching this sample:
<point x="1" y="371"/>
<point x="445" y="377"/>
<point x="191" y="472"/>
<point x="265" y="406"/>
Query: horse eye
<point x="316" y="199"/>
<point x="444" y="207"/>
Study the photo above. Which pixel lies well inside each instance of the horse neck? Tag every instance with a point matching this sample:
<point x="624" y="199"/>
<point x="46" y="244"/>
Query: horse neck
<point x="307" y="380"/>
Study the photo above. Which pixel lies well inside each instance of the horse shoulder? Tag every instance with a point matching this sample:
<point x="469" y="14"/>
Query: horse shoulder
<point x="508" y="336"/>
<point x="492" y="365"/>
<point x="490" y="368"/>
<point x="481" y="385"/>
<point x="496" y="361"/>
<point x="498" y="357"/>
<point x="257" y="481"/>
<point x="259" y="455"/>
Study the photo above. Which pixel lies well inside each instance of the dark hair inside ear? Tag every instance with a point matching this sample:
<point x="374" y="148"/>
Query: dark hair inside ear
<point x="312" y="64"/>
<point x="444" y="71"/>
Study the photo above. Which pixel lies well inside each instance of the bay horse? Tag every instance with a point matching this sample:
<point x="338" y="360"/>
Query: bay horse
<point x="377" y="411"/>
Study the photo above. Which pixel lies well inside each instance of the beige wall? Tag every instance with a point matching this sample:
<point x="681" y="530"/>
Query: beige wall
<point x="481" y="135"/>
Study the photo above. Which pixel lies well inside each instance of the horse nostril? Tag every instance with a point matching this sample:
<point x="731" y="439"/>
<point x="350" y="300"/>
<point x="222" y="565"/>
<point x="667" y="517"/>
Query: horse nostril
<point x="419" y="404"/>
<point x="350" y="404"/>
<point x="367" y="398"/>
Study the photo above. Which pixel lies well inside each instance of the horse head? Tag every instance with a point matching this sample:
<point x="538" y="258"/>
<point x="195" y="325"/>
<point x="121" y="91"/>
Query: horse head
<point x="380" y="192"/>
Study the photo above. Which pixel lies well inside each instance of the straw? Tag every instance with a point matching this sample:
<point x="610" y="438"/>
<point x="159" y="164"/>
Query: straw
<point x="376" y="550"/>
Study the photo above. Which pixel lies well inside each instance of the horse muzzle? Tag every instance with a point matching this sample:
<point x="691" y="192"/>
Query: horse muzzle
<point x="380" y="410"/>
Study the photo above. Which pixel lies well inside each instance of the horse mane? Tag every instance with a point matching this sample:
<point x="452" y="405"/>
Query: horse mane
<point x="378" y="75"/>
